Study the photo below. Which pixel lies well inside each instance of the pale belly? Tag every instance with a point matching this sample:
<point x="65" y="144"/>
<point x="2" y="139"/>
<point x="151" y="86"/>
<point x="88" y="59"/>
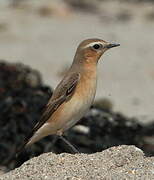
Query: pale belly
<point x="74" y="111"/>
<point x="70" y="112"/>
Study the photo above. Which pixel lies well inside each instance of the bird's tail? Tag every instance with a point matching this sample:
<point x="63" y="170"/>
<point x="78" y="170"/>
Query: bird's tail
<point x="35" y="135"/>
<point x="21" y="148"/>
<point x="31" y="139"/>
<point x="25" y="144"/>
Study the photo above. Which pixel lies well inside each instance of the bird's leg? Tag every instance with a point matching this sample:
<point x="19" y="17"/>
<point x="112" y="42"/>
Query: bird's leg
<point x="74" y="150"/>
<point x="49" y="147"/>
<point x="54" y="140"/>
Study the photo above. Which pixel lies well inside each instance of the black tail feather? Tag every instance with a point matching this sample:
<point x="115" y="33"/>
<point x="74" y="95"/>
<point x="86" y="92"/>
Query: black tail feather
<point x="23" y="146"/>
<point x="20" y="149"/>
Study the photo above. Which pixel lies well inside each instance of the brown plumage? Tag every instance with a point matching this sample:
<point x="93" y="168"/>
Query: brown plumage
<point x="74" y="94"/>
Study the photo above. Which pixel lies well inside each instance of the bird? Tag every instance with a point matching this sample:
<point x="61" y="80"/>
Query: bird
<point x="73" y="96"/>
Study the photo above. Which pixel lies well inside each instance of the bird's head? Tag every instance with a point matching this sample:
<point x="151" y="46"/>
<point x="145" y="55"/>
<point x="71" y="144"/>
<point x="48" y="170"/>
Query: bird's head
<point x="90" y="50"/>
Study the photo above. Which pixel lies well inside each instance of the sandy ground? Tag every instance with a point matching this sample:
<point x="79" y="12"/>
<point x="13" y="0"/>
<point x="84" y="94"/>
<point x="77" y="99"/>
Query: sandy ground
<point x="118" y="163"/>
<point x="48" y="43"/>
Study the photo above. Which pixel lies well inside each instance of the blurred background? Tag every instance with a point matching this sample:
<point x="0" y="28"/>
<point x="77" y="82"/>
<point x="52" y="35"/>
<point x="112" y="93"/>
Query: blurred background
<point x="45" y="34"/>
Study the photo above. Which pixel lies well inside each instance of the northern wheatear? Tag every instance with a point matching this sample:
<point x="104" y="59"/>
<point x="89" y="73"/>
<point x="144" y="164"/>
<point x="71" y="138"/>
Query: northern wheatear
<point x="74" y="94"/>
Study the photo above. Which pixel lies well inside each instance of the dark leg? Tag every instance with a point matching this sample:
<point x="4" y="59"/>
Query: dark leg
<point x="73" y="149"/>
<point x="50" y="146"/>
<point x="54" y="140"/>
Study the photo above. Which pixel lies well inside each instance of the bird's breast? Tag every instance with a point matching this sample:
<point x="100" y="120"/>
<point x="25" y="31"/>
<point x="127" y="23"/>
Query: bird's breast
<point x="86" y="88"/>
<point x="75" y="108"/>
<point x="81" y="100"/>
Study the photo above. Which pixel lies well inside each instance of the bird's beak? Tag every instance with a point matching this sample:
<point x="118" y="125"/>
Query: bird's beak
<point x="111" y="45"/>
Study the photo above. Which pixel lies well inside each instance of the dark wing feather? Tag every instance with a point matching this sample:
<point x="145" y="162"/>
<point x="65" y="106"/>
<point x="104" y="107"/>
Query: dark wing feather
<point x="62" y="93"/>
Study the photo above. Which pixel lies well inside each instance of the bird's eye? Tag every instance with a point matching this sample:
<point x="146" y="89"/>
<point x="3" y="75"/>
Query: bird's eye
<point x="97" y="46"/>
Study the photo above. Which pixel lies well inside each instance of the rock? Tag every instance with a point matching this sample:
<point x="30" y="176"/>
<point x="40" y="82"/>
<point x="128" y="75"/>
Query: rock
<point x="121" y="162"/>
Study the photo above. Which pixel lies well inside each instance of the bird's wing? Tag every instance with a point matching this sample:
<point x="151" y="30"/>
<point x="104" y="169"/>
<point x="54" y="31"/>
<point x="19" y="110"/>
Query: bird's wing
<point x="62" y="93"/>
